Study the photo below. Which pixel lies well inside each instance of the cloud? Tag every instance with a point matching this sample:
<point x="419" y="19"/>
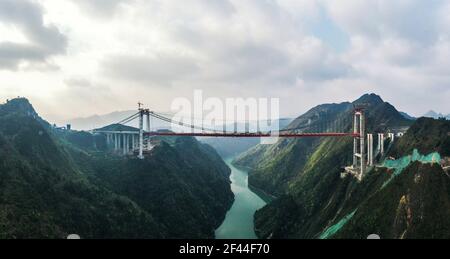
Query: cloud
<point x="268" y="46"/>
<point x="379" y="19"/>
<point x="397" y="47"/>
<point x="89" y="94"/>
<point x="81" y="86"/>
<point x="103" y="9"/>
<point x="78" y="82"/>
<point x="44" y="41"/>
<point x="305" y="51"/>
<point x="153" y="70"/>
<point x="248" y="43"/>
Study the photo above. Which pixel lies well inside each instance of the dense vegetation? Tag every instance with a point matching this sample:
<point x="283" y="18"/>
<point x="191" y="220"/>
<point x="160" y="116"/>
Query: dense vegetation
<point x="56" y="183"/>
<point x="415" y="204"/>
<point x="305" y="174"/>
<point x="427" y="135"/>
<point x="185" y="186"/>
<point x="274" y="167"/>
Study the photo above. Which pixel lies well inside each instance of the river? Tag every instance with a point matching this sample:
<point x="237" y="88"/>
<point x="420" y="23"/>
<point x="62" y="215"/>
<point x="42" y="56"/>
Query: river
<point x="238" y="223"/>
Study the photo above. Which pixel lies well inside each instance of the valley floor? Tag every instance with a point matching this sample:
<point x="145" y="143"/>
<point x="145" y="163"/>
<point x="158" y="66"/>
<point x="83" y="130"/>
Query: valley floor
<point x="239" y="222"/>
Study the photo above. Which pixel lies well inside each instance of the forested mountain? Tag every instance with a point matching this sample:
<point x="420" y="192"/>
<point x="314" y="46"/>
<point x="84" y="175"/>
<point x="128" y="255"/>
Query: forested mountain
<point x="414" y="202"/>
<point x="54" y="183"/>
<point x="274" y="166"/>
<point x="404" y="198"/>
<point x="435" y="115"/>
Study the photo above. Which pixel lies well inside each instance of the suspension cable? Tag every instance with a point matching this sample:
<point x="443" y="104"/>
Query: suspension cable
<point x="183" y="124"/>
<point x="129" y="120"/>
<point x="126" y="120"/>
<point x="202" y="128"/>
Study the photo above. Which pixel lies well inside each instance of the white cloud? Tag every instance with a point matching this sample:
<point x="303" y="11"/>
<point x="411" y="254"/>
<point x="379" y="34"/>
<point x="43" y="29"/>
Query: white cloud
<point x="104" y="8"/>
<point x="37" y="41"/>
<point x="157" y="50"/>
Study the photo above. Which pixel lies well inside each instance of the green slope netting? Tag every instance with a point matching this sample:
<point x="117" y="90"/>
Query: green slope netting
<point x="399" y="165"/>
<point x="335" y="228"/>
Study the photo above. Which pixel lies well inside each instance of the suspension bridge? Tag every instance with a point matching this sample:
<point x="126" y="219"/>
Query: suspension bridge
<point x="137" y="141"/>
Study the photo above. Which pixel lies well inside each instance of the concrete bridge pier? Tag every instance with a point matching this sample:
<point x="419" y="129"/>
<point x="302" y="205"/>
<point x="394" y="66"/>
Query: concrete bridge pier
<point x="391" y="136"/>
<point x="125" y="143"/>
<point x="355" y="142"/>
<point x="370" y="149"/>
<point x="381" y="143"/>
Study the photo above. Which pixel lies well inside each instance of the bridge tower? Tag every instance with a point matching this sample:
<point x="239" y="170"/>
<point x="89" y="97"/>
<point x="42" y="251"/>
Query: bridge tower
<point x="149" y="128"/>
<point x="141" y="132"/>
<point x="359" y="146"/>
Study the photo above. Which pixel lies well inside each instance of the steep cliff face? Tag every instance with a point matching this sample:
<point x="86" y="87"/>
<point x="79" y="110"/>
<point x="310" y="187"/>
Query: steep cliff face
<point x="416" y="205"/>
<point x="316" y="202"/>
<point x="53" y="184"/>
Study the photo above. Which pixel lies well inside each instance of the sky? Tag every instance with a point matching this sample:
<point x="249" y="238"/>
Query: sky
<point x="75" y="58"/>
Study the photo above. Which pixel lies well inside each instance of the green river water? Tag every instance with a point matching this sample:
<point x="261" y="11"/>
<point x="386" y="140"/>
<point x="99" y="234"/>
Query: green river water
<point x="238" y="223"/>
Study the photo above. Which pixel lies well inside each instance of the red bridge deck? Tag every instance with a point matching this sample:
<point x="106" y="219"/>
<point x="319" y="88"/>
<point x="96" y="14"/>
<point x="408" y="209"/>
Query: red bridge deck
<point x="251" y="135"/>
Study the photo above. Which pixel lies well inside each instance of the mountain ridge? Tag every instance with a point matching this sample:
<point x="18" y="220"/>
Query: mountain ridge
<point x="435" y="115"/>
<point x="289" y="156"/>
<point x="313" y="197"/>
<point x="55" y="183"/>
